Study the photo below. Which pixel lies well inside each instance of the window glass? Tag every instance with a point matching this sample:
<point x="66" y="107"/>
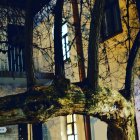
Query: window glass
<point x="69" y="118"/>
<point x="16" y="48"/>
<point x="64" y="29"/>
<point x="66" y="49"/>
<point x="75" y="128"/>
<point x="116" y="17"/>
<point x="71" y="137"/>
<point x="72" y="127"/>
<point x="111" y="23"/>
<point x="66" y="53"/>
<point x="74" y="117"/>
<point x="76" y="137"/>
<point x="69" y="129"/>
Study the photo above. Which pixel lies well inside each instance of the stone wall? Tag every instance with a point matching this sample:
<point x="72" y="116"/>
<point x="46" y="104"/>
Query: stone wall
<point x="10" y="134"/>
<point x="54" y="129"/>
<point x="98" y="129"/>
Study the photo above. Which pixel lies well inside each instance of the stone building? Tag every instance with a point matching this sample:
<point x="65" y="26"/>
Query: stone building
<point x="119" y="28"/>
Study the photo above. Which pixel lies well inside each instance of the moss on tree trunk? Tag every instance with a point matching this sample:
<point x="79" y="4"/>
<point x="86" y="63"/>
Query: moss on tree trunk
<point x="44" y="103"/>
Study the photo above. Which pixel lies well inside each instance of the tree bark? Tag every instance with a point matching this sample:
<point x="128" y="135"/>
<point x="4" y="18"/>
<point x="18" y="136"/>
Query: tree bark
<point x="47" y="102"/>
<point x="81" y="65"/>
<point x="58" y="50"/>
<point x="94" y="40"/>
<point x="116" y="133"/>
<point x="29" y="65"/>
<point x="78" y="37"/>
<point x="138" y="8"/>
<point x="129" y="67"/>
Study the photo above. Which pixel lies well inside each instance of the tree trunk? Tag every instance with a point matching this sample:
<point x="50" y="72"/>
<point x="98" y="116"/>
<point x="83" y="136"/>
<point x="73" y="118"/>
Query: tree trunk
<point x="58" y="50"/>
<point x="116" y="133"/>
<point x="138" y="8"/>
<point x="28" y="54"/>
<point x="78" y="37"/>
<point x="46" y="102"/>
<point x="81" y="66"/>
<point x="122" y="132"/>
<point x="29" y="65"/>
<point x="129" y="67"/>
<point x="94" y="40"/>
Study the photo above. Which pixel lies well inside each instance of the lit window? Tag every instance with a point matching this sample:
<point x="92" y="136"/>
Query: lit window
<point x="72" y="127"/>
<point x="111" y="23"/>
<point x="66" y="49"/>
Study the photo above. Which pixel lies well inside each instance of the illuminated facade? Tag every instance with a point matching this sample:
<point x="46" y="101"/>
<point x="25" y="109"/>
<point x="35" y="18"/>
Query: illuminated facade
<point x="116" y="42"/>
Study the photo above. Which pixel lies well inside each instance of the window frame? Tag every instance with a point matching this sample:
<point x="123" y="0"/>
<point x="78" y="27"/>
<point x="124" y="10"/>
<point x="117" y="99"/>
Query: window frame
<point x="65" y="46"/>
<point x="73" y="126"/>
<point x="16" y="56"/>
<point x="106" y="31"/>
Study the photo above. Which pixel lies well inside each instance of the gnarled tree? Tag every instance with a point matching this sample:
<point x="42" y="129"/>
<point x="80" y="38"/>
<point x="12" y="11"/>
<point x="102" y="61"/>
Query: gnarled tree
<point x="62" y="98"/>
